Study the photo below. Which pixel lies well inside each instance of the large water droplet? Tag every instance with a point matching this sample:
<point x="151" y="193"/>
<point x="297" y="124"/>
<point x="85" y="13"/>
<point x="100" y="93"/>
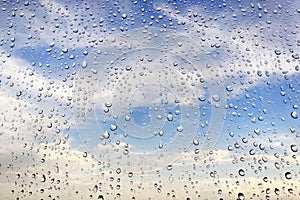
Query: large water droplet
<point x="241" y="172"/>
<point x="288" y="175"/>
<point x="106" y="135"/>
<point x="113" y="127"/>
<point x="241" y="196"/>
<point x="294" y="148"/>
<point x="294" y="114"/>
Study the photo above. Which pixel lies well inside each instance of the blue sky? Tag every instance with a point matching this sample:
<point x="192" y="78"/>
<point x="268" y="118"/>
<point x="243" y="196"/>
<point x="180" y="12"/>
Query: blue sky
<point x="159" y="77"/>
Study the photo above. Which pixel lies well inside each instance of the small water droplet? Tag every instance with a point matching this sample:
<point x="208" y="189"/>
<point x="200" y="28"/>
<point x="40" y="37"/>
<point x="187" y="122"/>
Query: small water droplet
<point x="216" y="98"/>
<point x="128" y="68"/>
<point x="127" y="118"/>
<point x="126" y="152"/>
<point x="295" y="56"/>
<point x="201" y="98"/>
<point x="229" y="88"/>
<point x="43" y="179"/>
<point x="277" y="51"/>
<point x="84" y="154"/>
<point x="196" y="142"/>
<point x="130" y="174"/>
<point x="180" y="128"/>
<point x="118" y="171"/>
<point x="84" y="64"/>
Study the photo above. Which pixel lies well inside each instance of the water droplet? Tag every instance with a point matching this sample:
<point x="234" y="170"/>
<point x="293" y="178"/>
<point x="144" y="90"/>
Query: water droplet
<point x="106" y="135"/>
<point x="160" y="145"/>
<point x="170" y="117"/>
<point x="195" y="142"/>
<point x="108" y="104"/>
<point x="241" y="172"/>
<point x="171" y="178"/>
<point x="216" y="98"/>
<point x="169" y="167"/>
<point x="127" y="118"/>
<point x="229" y="88"/>
<point x="201" y="98"/>
<point x="288" y="175"/>
<point x="241" y="196"/>
<point x="84" y="64"/>
<point x="294" y="114"/>
<point x="124" y="16"/>
<point x="130" y="174"/>
<point x="126" y="152"/>
<point x="128" y="68"/>
<point x="180" y="128"/>
<point x="65" y="50"/>
<point x="161" y="133"/>
<point x="294" y="148"/>
<point x="295" y="56"/>
<point x="277" y="52"/>
<point x="43" y="179"/>
<point x="84" y="154"/>
<point x="118" y="171"/>
<point x="113" y="127"/>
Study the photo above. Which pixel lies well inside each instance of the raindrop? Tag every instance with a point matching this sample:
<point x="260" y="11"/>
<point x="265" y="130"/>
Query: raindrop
<point x="84" y="64"/>
<point x="118" y="171"/>
<point x="295" y="56"/>
<point x="124" y="16"/>
<point x="106" y="135"/>
<point x="130" y="174"/>
<point x="241" y="196"/>
<point x="216" y="98"/>
<point x="108" y="104"/>
<point x="171" y="178"/>
<point x="161" y="133"/>
<point x="241" y="172"/>
<point x="84" y="154"/>
<point x="126" y="152"/>
<point x="170" y="117"/>
<point x="128" y="68"/>
<point x="229" y="88"/>
<point x="277" y="52"/>
<point x="65" y="50"/>
<point x="113" y="127"/>
<point x="294" y="114"/>
<point x="127" y="118"/>
<point x="195" y="142"/>
<point x="180" y="128"/>
<point x="288" y="175"/>
<point x="43" y="179"/>
<point x="201" y="98"/>
<point x="294" y="148"/>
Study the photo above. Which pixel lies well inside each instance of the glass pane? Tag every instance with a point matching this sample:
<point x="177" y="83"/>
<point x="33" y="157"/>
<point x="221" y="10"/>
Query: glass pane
<point x="149" y="99"/>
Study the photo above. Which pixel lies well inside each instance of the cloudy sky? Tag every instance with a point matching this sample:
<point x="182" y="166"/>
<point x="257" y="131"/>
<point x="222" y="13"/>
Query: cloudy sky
<point x="149" y="99"/>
